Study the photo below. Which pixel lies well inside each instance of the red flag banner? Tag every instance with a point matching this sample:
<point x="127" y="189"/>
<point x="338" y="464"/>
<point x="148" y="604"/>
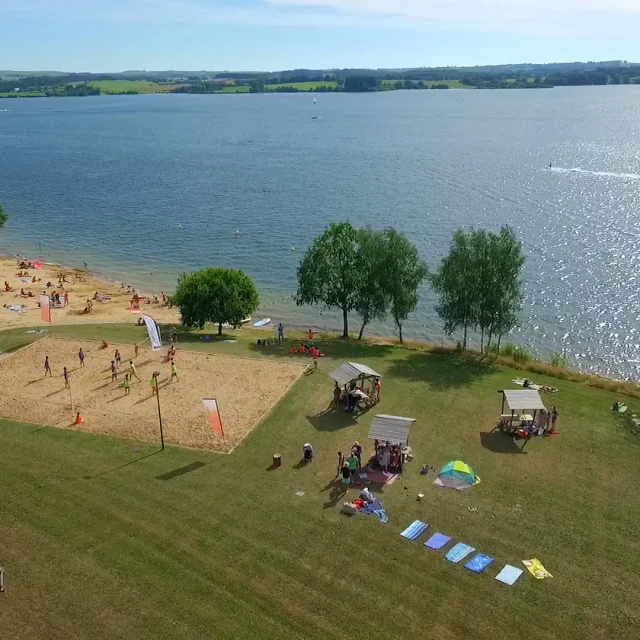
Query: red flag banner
<point x="45" y="308"/>
<point x="213" y="414"/>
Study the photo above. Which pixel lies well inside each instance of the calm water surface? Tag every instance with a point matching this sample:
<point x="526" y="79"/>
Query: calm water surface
<point x="110" y="179"/>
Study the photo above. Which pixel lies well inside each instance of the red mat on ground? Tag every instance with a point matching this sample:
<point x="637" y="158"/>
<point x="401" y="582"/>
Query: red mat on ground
<point x="379" y="477"/>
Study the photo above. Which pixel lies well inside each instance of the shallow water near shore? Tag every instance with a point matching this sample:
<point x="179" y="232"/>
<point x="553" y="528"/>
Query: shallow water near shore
<point x="145" y="187"/>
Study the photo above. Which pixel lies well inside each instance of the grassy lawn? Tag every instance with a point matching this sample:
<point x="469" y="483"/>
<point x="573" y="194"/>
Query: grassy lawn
<point x="106" y="538"/>
<point x="302" y="86"/>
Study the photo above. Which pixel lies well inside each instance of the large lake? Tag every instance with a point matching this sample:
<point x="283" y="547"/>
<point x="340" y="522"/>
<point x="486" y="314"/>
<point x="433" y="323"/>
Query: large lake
<point x="144" y="187"/>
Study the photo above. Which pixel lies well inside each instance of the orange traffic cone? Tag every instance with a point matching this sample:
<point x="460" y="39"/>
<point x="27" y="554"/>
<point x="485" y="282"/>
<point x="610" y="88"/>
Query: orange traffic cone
<point x="79" y="418"/>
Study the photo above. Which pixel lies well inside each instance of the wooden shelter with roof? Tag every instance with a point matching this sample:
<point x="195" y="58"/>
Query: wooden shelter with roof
<point x="520" y="402"/>
<point x="393" y="429"/>
<point x="361" y="376"/>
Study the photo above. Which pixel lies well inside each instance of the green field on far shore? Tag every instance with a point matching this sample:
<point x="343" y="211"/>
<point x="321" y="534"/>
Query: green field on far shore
<point x="141" y="86"/>
<point x="107" y="538"/>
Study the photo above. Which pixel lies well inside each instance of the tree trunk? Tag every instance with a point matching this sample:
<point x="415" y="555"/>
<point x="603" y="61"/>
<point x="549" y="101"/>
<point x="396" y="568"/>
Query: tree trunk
<point x="345" y="324"/>
<point x="499" y="339"/>
<point x="219" y="328"/>
<point x="400" y="331"/>
<point x="482" y="340"/>
<point x="364" y="324"/>
<point x="464" y="338"/>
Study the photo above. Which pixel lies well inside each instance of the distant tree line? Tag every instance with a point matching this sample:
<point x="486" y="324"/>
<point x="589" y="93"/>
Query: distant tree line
<point x="529" y="76"/>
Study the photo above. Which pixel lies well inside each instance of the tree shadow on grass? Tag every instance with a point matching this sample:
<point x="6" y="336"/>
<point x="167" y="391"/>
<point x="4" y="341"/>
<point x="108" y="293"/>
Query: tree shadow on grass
<point x="330" y="420"/>
<point x="499" y="442"/>
<point x="441" y="371"/>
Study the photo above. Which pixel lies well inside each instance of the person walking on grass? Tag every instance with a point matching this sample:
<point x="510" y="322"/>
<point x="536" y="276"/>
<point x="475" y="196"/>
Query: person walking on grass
<point x="127" y="384"/>
<point x="47" y="367"/>
<point x="377" y="388"/>
<point x="280" y="332"/>
<point x="174" y="371"/>
<point x="81" y="358"/>
<point x="114" y="371"/>
<point x="67" y="378"/>
<point x="118" y="358"/>
<point x="554" y="417"/>
<point x="310" y="339"/>
<point x="132" y="371"/>
<point x="154" y="384"/>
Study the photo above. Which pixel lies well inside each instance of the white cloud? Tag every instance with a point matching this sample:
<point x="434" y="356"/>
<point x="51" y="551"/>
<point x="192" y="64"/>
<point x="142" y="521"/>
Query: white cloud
<point x="519" y="15"/>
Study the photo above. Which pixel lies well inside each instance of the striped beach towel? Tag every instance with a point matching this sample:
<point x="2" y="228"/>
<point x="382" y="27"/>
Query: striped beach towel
<point x="414" y="530"/>
<point x="459" y="552"/>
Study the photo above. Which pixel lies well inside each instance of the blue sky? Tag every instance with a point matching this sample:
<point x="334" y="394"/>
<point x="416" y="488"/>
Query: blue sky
<point x="113" y="35"/>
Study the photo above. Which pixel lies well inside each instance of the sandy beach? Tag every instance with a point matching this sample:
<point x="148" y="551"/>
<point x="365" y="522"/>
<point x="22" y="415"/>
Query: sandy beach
<point x="81" y="286"/>
<point x="245" y="389"/>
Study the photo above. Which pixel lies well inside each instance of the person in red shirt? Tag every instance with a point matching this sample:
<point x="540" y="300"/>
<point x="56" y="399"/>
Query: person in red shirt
<point x="292" y="349"/>
<point x="302" y="349"/>
<point x="310" y="338"/>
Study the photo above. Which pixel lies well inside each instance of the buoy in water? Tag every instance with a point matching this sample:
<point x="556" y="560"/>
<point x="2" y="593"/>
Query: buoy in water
<point x="237" y="232"/>
<point x="293" y="248"/>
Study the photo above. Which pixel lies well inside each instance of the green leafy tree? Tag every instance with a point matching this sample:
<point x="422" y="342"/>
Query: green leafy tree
<point x="479" y="284"/>
<point x="504" y="296"/>
<point x="3" y="216"/>
<point x="329" y="272"/>
<point x="456" y="283"/>
<point x="216" y="295"/>
<point x="372" y="298"/>
<point x="404" y="272"/>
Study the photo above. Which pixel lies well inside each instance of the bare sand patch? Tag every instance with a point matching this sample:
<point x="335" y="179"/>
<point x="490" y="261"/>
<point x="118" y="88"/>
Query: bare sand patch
<point x="245" y="389"/>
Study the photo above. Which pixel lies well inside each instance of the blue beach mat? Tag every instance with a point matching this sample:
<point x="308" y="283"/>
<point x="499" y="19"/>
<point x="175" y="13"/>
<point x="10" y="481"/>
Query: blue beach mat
<point x="459" y="552"/>
<point x="509" y="574"/>
<point x="377" y="509"/>
<point x="437" y="541"/>
<point x="478" y="563"/>
<point x="414" y="530"/>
